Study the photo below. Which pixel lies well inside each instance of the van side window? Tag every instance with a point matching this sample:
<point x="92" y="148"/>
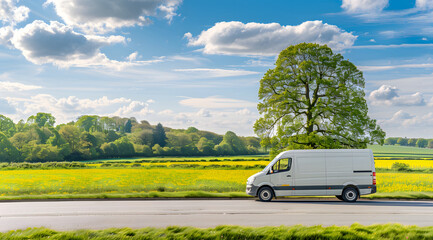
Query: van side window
<point x="282" y="165"/>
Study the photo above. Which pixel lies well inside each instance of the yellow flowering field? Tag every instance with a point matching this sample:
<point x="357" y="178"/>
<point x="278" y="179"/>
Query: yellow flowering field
<point x="404" y="182"/>
<point x="411" y="163"/>
<point x="127" y="180"/>
<point x="130" y="180"/>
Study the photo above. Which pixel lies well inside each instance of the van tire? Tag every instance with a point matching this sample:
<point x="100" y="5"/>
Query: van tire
<point x="350" y="194"/>
<point x="265" y="194"/>
<point x="339" y="197"/>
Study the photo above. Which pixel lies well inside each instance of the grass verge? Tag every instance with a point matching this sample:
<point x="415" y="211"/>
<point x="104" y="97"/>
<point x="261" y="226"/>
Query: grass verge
<point x="356" y="231"/>
<point x="401" y="195"/>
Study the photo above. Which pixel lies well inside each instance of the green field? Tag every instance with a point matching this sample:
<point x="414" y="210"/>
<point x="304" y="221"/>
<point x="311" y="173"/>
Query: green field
<point x="401" y="152"/>
<point x="356" y="231"/>
<point x="380" y="152"/>
<point x="181" y="159"/>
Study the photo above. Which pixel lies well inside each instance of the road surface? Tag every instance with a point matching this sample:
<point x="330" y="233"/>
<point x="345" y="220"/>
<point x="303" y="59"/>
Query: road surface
<point x="69" y="215"/>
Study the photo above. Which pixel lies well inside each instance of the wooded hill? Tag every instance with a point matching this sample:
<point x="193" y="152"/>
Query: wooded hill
<point x="94" y="137"/>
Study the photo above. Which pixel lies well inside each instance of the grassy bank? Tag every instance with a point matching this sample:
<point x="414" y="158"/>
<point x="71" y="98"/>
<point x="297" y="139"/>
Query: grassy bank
<point x="356" y="231"/>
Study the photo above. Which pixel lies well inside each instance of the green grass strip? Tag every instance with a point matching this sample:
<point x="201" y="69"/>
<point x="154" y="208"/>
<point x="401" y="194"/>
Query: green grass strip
<point x="356" y="231"/>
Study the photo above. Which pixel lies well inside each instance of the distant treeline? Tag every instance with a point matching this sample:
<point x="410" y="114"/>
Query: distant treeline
<point x="94" y="137"/>
<point x="412" y="142"/>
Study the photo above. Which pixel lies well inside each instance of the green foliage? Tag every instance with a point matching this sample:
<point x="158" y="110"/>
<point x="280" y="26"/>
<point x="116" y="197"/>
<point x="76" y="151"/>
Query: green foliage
<point x="159" y="136"/>
<point x="421" y="142"/>
<point x="391" y="141"/>
<point x="42" y="120"/>
<point x="402" y="141"/>
<point x="314" y="98"/>
<point x="7" y="126"/>
<point x="128" y="126"/>
<point x="400" y="167"/>
<point x="93" y="137"/>
<point x="71" y="134"/>
<point x="124" y="147"/>
<point x="299" y="232"/>
<point x="230" y="145"/>
<point x="412" y="142"/>
<point x="88" y="123"/>
<point x="109" y="150"/>
<point x="205" y="146"/>
<point x="8" y="152"/>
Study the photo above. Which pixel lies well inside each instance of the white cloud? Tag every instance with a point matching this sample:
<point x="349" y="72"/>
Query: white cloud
<point x="60" y="45"/>
<point x="107" y="15"/>
<point x="388" y="95"/>
<point x="390" y="67"/>
<point x="424" y="4"/>
<point x="16" y="86"/>
<point x="204" y="113"/>
<point x="11" y="14"/>
<point x="215" y="102"/>
<point x="237" y="38"/>
<point x="132" y="56"/>
<point x="364" y="6"/>
<point x="400" y="118"/>
<point x="216" y="73"/>
<point x="134" y="109"/>
<point x="415" y="45"/>
<point x="219" y="121"/>
<point x="6" y="33"/>
<point x="166" y="112"/>
<point x="69" y="108"/>
<point x="385" y="92"/>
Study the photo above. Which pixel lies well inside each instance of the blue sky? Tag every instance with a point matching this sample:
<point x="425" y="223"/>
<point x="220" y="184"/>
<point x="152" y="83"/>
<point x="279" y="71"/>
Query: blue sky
<point x="199" y="63"/>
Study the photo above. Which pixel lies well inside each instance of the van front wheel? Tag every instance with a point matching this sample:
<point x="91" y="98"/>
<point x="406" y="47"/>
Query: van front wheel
<point x="350" y="194"/>
<point x="266" y="194"/>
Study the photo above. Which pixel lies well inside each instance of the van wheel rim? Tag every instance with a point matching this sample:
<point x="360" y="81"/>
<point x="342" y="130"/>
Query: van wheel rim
<point x="350" y="195"/>
<point x="265" y="195"/>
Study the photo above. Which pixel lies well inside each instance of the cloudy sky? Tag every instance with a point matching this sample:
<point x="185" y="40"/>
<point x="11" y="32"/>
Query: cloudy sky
<point x="199" y="63"/>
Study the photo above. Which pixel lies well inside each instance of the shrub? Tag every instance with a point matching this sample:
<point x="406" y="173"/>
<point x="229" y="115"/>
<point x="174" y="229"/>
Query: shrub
<point x="400" y="166"/>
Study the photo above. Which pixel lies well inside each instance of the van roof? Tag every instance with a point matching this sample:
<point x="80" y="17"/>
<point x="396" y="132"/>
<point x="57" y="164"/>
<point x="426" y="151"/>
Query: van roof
<point x="330" y="150"/>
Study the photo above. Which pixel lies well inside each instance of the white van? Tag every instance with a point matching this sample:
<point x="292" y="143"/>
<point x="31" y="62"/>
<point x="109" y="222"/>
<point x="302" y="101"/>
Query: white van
<point x="345" y="173"/>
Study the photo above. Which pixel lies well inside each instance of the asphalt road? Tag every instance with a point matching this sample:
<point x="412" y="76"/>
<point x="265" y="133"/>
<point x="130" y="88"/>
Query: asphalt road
<point x="69" y="215"/>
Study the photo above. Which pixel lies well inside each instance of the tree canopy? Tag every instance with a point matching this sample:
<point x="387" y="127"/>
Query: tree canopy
<point x="314" y="98"/>
<point x="93" y="137"/>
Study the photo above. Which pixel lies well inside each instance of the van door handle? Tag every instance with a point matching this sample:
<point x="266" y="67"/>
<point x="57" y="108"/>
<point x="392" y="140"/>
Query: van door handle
<point x="289" y="175"/>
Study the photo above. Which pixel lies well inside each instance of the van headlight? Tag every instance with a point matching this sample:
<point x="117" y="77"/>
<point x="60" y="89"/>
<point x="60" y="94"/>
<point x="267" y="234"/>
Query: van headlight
<point x="250" y="180"/>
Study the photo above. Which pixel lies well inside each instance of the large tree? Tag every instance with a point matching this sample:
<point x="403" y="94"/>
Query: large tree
<point x="314" y="98"/>
<point x="159" y="136"/>
<point x="42" y="119"/>
<point x="7" y="126"/>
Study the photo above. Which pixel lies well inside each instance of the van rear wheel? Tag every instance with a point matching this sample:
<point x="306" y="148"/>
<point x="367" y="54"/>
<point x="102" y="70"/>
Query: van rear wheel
<point x="265" y="194"/>
<point x="350" y="194"/>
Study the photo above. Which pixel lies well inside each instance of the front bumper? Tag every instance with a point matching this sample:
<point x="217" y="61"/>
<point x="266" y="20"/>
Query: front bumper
<point x="252" y="190"/>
